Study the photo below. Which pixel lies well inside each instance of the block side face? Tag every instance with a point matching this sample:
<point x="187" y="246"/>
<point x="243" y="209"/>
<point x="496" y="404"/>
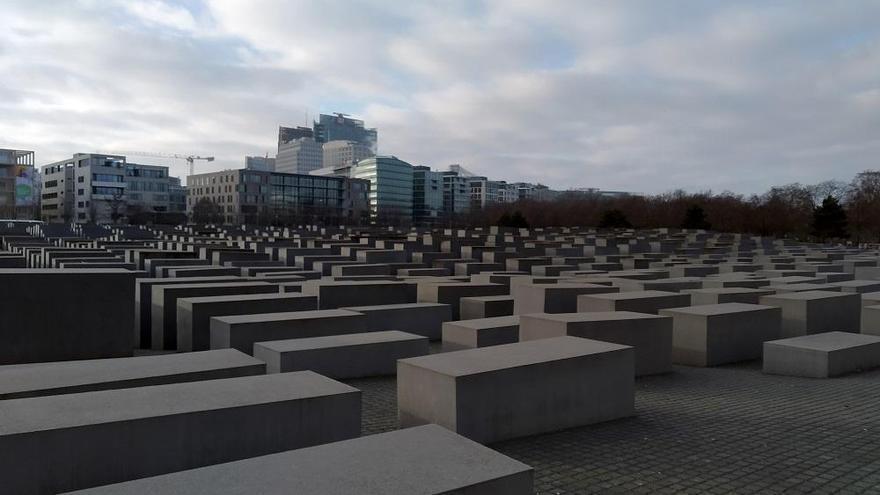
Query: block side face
<point x="782" y="359"/>
<point x="425" y="396"/>
<point x="740" y="336"/>
<point x="546" y="397"/>
<point x="690" y="340"/>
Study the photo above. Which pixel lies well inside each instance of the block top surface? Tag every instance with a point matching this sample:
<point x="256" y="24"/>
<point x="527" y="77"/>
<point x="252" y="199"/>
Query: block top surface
<point x="73" y="410"/>
<point x="492" y="322"/>
<point x="731" y="290"/>
<point x="489" y="298"/>
<point x="47" y="376"/>
<point x="717" y="309"/>
<point x="344" y="340"/>
<point x="827" y="341"/>
<point x="208" y="285"/>
<point x="638" y="294"/>
<point x="287" y="315"/>
<point x="498" y="357"/>
<point x="423" y="460"/>
<point x="593" y="316"/>
<point x="392" y="307"/>
<point x="810" y="295"/>
<point x="63" y="271"/>
<point x="243" y="297"/>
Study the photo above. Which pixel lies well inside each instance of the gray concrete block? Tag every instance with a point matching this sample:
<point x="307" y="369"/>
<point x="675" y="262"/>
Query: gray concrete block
<point x="194" y="313"/>
<point x="451" y="293"/>
<point x="164" y="305"/>
<point x="822" y="355"/>
<point x="242" y="331"/>
<point x="338" y="294"/>
<point x="485" y="307"/>
<point x="507" y="391"/>
<point x="69" y="377"/>
<point x="425" y="460"/>
<point x="727" y="295"/>
<point x="68" y="442"/>
<point x="650" y="335"/>
<point x="714" y="334"/>
<point x="57" y="315"/>
<point x="806" y="313"/>
<point x="553" y="298"/>
<point x="354" y="355"/>
<point x="483" y="332"/>
<point x="424" y="319"/>
<point x="648" y="301"/>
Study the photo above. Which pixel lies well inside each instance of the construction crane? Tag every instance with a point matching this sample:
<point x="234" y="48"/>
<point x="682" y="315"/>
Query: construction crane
<point x="190" y="159"/>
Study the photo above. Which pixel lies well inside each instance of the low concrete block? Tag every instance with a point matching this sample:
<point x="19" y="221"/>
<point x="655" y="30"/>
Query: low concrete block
<point x="647" y="301"/>
<point x="650" y="335"/>
<point x="485" y="307"/>
<point x="427" y="460"/>
<point x="714" y="334"/>
<point x="727" y="295"/>
<point x="194" y="313"/>
<point x="469" y="334"/>
<point x="553" y="298"/>
<point x="337" y="294"/>
<point x="354" y="355"/>
<point x="424" y="319"/>
<point x="822" y="355"/>
<point x="451" y="293"/>
<point x="806" y="313"/>
<point x="70" y="377"/>
<point x="68" y="442"/>
<point x="242" y="331"/>
<point x="507" y="391"/>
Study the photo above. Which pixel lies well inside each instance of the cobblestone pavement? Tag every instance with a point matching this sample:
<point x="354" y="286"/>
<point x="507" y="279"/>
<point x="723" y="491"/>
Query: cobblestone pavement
<point x="727" y="429"/>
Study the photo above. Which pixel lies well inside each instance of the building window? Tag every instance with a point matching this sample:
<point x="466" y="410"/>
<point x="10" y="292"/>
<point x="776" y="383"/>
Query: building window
<point x="80" y="192"/>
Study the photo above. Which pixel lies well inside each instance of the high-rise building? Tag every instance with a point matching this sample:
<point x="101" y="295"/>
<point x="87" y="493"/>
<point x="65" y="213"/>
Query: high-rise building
<point x="103" y="189"/>
<point x="427" y="195"/>
<point x="456" y="193"/>
<point x="341" y="154"/>
<point x="263" y="163"/>
<point x="288" y="134"/>
<point x="340" y="127"/>
<point x="18" y="200"/>
<point x="253" y="196"/>
<point x="391" y="188"/>
<point x="299" y="156"/>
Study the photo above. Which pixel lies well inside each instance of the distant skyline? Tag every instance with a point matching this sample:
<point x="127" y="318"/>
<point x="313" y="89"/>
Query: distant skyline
<point x="640" y="96"/>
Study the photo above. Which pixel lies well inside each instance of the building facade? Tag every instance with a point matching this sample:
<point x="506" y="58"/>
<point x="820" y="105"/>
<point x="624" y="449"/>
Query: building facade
<point x="391" y="188"/>
<point x="300" y="156"/>
<point x="342" y="154"/>
<point x="18" y="185"/>
<point x="260" y="197"/>
<point x="456" y="194"/>
<point x="427" y="195"/>
<point x="263" y="163"/>
<point x="102" y="189"/>
<point x="340" y="127"/>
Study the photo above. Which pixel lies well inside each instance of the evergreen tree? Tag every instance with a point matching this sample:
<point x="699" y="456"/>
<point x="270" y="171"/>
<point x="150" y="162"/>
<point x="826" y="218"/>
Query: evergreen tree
<point x="695" y="218"/>
<point x="614" y="219"/>
<point x="829" y="220"/>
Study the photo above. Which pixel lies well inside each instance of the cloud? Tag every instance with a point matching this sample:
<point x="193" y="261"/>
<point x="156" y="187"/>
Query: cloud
<point x="640" y="95"/>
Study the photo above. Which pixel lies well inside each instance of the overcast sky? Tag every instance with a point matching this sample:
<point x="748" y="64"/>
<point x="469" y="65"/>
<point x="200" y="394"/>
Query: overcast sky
<point x="643" y="96"/>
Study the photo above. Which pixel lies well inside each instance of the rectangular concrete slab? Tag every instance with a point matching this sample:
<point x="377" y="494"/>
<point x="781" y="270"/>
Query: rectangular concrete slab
<point x="354" y="355"/>
<point x="483" y="332"/>
<point x="648" y="301"/>
<point x="419" y="318"/>
<point x="822" y="355"/>
<point x="69" y="442"/>
<point x="424" y="460"/>
<point x="650" y="335"/>
<point x="242" y="331"/>
<point x="806" y="313"/>
<point x="715" y="334"/>
<point x="507" y="391"/>
<point x="69" y="377"/>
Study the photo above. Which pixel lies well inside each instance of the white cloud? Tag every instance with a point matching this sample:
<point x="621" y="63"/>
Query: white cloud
<point x="641" y="95"/>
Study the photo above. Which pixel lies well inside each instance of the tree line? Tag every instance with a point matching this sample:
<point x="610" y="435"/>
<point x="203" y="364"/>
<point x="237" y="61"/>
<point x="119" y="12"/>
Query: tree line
<point x="830" y="210"/>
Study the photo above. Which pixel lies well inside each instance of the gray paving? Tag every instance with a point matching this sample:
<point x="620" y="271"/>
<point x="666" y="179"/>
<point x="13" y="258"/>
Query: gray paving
<point x="728" y="429"/>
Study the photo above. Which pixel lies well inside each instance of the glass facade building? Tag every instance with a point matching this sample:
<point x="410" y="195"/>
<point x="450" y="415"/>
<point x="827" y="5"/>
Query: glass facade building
<point x="391" y="188"/>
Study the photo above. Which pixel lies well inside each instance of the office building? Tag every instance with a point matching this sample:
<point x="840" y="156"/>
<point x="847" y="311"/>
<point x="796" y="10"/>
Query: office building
<point x="259" y="197"/>
<point x="289" y="134"/>
<point x="101" y="188"/>
<point x="18" y="196"/>
<point x="340" y="127"/>
<point x="342" y="154"/>
<point x="391" y="188"/>
<point x="485" y="192"/>
<point x="456" y="193"/>
<point x="427" y="195"/>
<point x="299" y="156"/>
<point x="176" y="196"/>
<point x="263" y="163"/>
